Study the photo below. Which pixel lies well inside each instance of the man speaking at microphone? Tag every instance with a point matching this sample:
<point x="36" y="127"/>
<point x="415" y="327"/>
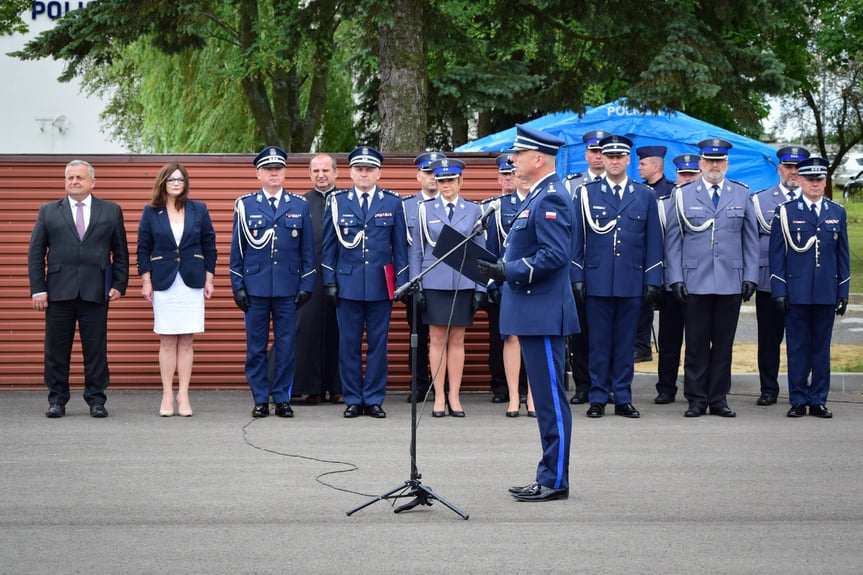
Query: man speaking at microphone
<point x="537" y="303"/>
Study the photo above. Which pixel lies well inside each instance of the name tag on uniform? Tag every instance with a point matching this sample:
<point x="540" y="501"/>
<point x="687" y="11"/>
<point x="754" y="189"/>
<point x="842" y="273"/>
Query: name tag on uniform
<point x="384" y="215"/>
<point x="798" y="221"/>
<point x="289" y="215"/>
<point x="734" y="208"/>
<point x="831" y="221"/>
<point x="523" y="215"/>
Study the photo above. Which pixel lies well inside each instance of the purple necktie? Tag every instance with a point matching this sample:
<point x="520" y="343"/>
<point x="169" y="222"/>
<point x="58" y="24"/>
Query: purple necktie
<point x="79" y="220"/>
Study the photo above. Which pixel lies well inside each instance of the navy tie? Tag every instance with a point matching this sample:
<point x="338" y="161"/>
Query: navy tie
<point x="715" y="195"/>
<point x="617" y="193"/>
<point x="814" y="211"/>
<point x="273" y="204"/>
<point x="451" y="207"/>
<point x="365" y="204"/>
<point x="791" y="196"/>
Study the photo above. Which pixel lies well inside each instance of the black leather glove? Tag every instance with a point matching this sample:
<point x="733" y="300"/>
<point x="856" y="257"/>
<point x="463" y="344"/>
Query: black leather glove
<point x="493" y="270"/>
<point x="841" y="306"/>
<point x="648" y="296"/>
<point x="480" y="299"/>
<point x="331" y="292"/>
<point x="241" y="298"/>
<point x="580" y="292"/>
<point x="781" y="304"/>
<point x="421" y="300"/>
<point x="494" y="295"/>
<point x="748" y="290"/>
<point x="678" y="290"/>
<point x="302" y="298"/>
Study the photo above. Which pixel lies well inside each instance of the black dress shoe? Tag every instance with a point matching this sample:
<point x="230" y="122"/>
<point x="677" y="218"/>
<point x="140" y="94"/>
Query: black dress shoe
<point x="455" y="413"/>
<point x="375" y="411"/>
<point x="596" y="410"/>
<point x="438" y="413"/>
<point x="693" y="412"/>
<point x="55" y="410"/>
<point x="797" y="411"/>
<point x="284" y="409"/>
<point x="529" y="488"/>
<point x="512" y="414"/>
<point x="766" y="399"/>
<point x="626" y="410"/>
<point x="353" y="411"/>
<point x="664" y="398"/>
<point x="98" y="410"/>
<point x="579" y="398"/>
<point x="261" y="410"/>
<point x="642" y="357"/>
<point x="820" y="411"/>
<point x="531" y="413"/>
<point x="723" y="411"/>
<point x="542" y="493"/>
<point x="499" y="399"/>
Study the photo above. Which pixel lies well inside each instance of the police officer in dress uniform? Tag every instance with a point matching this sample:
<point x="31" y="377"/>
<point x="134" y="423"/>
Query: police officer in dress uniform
<point x="618" y="265"/>
<point x="508" y="204"/>
<point x="670" y="333"/>
<point x="578" y="343"/>
<point x="810" y="273"/>
<point x="365" y="241"/>
<point x="771" y="322"/>
<point x="428" y="190"/>
<point x="711" y="252"/>
<point x="317" y="375"/>
<point x="537" y="303"/>
<point x="651" y="168"/>
<point x="272" y="275"/>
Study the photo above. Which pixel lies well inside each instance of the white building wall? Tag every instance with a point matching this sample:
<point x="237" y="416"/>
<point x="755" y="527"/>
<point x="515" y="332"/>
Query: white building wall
<point x="38" y="114"/>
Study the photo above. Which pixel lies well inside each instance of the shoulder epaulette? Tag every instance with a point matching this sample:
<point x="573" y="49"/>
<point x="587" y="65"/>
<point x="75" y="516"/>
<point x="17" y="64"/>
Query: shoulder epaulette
<point x="759" y="191"/>
<point x="493" y="198"/>
<point x="469" y="201"/>
<point x="739" y="183"/>
<point x="409" y="197"/>
<point x="298" y="196"/>
<point x="337" y="192"/>
<point x="573" y="176"/>
<point x="392" y="193"/>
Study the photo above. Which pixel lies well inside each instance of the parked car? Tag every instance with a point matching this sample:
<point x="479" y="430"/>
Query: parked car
<point x="854" y="186"/>
<point x="852" y="165"/>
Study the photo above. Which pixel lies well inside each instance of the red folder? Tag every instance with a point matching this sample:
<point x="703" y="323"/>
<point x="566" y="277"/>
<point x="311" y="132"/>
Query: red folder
<point x="390" y="275"/>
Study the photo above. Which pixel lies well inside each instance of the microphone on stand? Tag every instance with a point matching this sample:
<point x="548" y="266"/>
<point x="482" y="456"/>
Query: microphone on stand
<point x="482" y="222"/>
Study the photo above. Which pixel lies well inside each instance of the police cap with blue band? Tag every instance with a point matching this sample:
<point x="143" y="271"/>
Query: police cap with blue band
<point x="424" y="160"/>
<point x="687" y="163"/>
<point x="447" y="168"/>
<point x="792" y="155"/>
<point x="714" y="148"/>
<point x="504" y="166"/>
<point x="593" y="139"/>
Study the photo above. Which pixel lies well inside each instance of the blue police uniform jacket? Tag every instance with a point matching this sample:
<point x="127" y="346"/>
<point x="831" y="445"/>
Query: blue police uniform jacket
<point x="164" y="258"/>
<point x="666" y="215"/>
<point x="712" y="250"/>
<point x="410" y="204"/>
<point x="766" y="202"/>
<point x="272" y="254"/>
<point x="819" y="274"/>
<point x="661" y="187"/>
<point x="356" y="249"/>
<point x="432" y="217"/>
<point x="509" y="205"/>
<point x="618" y="244"/>
<point x="536" y="298"/>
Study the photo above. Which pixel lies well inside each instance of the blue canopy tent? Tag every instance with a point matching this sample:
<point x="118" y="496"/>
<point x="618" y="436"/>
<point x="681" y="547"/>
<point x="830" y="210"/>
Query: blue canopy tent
<point x="750" y="161"/>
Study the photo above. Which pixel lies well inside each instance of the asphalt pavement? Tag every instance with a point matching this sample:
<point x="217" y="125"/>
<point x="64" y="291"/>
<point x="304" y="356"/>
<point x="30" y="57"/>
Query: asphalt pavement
<point x="222" y="493"/>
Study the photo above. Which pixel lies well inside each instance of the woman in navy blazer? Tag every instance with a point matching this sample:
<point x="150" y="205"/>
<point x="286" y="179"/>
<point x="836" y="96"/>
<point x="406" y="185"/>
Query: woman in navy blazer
<point x="176" y="262"/>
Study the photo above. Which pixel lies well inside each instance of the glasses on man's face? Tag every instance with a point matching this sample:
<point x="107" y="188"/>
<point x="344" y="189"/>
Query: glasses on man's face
<point x="175" y="180"/>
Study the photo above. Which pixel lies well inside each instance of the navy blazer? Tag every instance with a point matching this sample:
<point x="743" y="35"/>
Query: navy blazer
<point x="159" y="253"/>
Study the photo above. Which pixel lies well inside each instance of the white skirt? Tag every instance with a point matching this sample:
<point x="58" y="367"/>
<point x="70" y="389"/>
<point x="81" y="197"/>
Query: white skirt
<point x="178" y="309"/>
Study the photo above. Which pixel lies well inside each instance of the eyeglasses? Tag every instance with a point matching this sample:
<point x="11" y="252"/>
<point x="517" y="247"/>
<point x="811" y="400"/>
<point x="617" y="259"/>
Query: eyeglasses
<point x="175" y="180"/>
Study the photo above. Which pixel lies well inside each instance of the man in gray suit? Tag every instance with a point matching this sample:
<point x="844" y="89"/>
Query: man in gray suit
<point x="78" y="262"/>
<point x="711" y="256"/>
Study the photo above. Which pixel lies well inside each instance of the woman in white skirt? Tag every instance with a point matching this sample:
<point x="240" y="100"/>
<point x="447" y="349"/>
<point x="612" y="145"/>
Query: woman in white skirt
<point x="176" y="262"/>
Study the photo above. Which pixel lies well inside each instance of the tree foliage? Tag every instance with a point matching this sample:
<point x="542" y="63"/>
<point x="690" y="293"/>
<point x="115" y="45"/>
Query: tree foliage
<point x="10" y="16"/>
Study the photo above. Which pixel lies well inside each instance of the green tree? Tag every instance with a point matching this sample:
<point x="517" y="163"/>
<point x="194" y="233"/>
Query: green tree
<point x="191" y="64"/>
<point x="10" y="16"/>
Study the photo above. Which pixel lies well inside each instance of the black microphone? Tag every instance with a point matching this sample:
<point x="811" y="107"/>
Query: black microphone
<point x="486" y="213"/>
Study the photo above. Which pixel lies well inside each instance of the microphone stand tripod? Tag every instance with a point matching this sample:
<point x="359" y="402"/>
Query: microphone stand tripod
<point x="413" y="487"/>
